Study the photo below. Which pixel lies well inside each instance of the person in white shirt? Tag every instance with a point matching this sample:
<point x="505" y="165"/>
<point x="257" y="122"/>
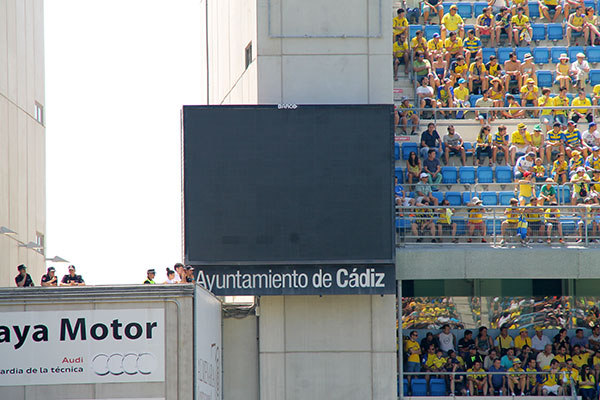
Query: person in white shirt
<point x="591" y="137"/>
<point x="594" y="339"/>
<point x="580" y="69"/>
<point x="447" y="339"/>
<point x="544" y="358"/>
<point x="170" y="276"/>
<point x="539" y="340"/>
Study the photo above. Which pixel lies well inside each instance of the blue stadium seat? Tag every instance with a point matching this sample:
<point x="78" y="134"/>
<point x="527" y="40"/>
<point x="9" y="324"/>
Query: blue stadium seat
<point x="489" y="198"/>
<point x="504" y="198"/>
<point x="541" y="55"/>
<point x="473" y="99"/>
<point x="503" y="53"/>
<point x="538" y="31"/>
<point x="437" y="387"/>
<point x="439" y="196"/>
<point x="486" y="52"/>
<point x="504" y="173"/>
<point x="407" y="147"/>
<point x="563" y="194"/>
<point x="545" y="79"/>
<point x="489" y="225"/>
<point x="467" y="175"/>
<point x="453" y="198"/>
<point x="430" y="30"/>
<point x="478" y="8"/>
<point x="573" y="50"/>
<point x="469" y="151"/>
<point x="412" y="30"/>
<point x="405" y="386"/>
<point x="467" y="196"/>
<point x="569" y="226"/>
<point x="399" y="173"/>
<point x="464" y="10"/>
<point x="593" y="54"/>
<point x="521" y="51"/>
<point x="485" y="175"/>
<point x="555" y="53"/>
<point x="396" y="151"/>
<point x="468" y="28"/>
<point x="594" y="77"/>
<point x="570" y="96"/>
<point x="418" y="387"/>
<point x="449" y="175"/>
<point x="534" y="10"/>
<point x="447" y="7"/>
<point x="590" y="3"/>
<point x="555" y="31"/>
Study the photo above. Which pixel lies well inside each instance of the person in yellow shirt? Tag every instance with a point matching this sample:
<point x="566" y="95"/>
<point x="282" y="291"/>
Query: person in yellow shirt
<point x="510" y="224"/>
<point x="400" y="23"/>
<point x="596" y="91"/>
<point x="413" y="350"/>
<point x="522" y="340"/>
<point x="563" y="72"/>
<point x="515" y="111"/>
<point x="550" y="381"/>
<point x="577" y="23"/>
<point x="569" y="375"/>
<point x="453" y="46"/>
<point x="400" y="55"/>
<point x="561" y="101"/>
<point x="478" y="75"/>
<point x="516" y="381"/>
<point x="581" y="358"/>
<point x="475" y="219"/>
<point x="520" y="141"/>
<point x="586" y="382"/>
<point x="529" y="95"/>
<point x="552" y="219"/>
<point x="546" y="101"/>
<point x="419" y="44"/>
<point x="546" y="6"/>
<point x="452" y="22"/>
<point x="461" y="94"/>
<point x="435" y="47"/>
<point x="522" y="30"/>
<point x="560" y="169"/>
<point x="580" y="101"/>
<point x="478" y="382"/>
<point x="525" y="189"/>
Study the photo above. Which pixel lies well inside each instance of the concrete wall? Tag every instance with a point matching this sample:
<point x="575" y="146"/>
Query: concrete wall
<point x="231" y="26"/>
<point x="330" y="347"/>
<point x="22" y="138"/>
<point x="471" y="262"/>
<point x="298" y="64"/>
<point x="177" y="301"/>
<point x="240" y="358"/>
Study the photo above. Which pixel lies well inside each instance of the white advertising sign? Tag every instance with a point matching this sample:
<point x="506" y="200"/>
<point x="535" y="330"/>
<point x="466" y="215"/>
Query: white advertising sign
<point x="208" y="345"/>
<point x="87" y="346"/>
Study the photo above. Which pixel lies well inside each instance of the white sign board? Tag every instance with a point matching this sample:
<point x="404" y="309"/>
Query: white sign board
<point x="87" y="346"/>
<point x="208" y="345"/>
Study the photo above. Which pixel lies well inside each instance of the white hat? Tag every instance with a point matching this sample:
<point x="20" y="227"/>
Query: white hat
<point x="423" y="175"/>
<point x="476" y="200"/>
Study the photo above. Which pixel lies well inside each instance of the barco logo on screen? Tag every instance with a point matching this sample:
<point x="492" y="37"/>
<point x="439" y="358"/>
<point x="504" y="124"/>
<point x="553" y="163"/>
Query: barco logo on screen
<point x="77" y="330"/>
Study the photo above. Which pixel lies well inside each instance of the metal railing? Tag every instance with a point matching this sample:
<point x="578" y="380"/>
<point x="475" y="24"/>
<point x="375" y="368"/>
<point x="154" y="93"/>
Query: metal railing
<point x="498" y="225"/>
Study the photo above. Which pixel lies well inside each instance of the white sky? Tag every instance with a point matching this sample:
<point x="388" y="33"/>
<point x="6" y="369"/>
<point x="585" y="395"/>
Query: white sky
<point x="117" y="74"/>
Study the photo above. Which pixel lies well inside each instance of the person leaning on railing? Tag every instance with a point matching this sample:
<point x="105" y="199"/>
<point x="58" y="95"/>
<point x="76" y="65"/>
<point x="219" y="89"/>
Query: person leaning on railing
<point x="444" y="222"/>
<point x="512" y="219"/>
<point x="550" y="381"/>
<point x="552" y="218"/>
<point x="478" y="382"/>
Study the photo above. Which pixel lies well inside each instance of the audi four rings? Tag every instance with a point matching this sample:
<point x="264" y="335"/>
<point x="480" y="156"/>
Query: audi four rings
<point x="128" y="363"/>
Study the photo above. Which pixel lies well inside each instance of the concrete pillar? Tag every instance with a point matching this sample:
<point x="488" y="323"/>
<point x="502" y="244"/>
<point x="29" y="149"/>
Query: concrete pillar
<point x="330" y="347"/>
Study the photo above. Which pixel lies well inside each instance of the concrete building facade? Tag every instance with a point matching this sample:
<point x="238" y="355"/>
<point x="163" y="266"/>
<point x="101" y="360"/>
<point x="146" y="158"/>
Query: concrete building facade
<point x="22" y="137"/>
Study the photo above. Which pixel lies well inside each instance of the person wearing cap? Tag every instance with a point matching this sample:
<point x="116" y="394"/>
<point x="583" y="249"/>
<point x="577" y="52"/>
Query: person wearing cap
<point x="452" y="22"/>
<point x="516" y="382"/>
<point x="49" y="278"/>
<point x="528" y="68"/>
<point x="406" y="113"/>
<point x="576" y="23"/>
<point x="529" y="95"/>
<point x="509" y="226"/>
<point x="421" y="66"/>
<point x="503" y="25"/>
<point x="500" y="142"/>
<point x="526" y="189"/>
<point x="433" y="169"/>
<point x="150" y="274"/>
<point x="189" y="278"/>
<point x="435" y="47"/>
<point x="520" y="142"/>
<point x="170" y="276"/>
<point x="454" y="145"/>
<point x="432" y="6"/>
<point x="72" y="279"/>
<point x="560" y="115"/>
<point x="592" y="162"/>
<point x="580" y="181"/>
<point x="400" y="50"/>
<point x="572" y="140"/>
<point x="484" y="25"/>
<point x="539" y="340"/>
<point x="522" y="339"/>
<point x="581" y="101"/>
<point x="23" y="279"/>
<point x="563" y="72"/>
<point x="475" y="219"/>
<point x="425" y="95"/>
<point x="512" y="69"/>
<point x="478" y="76"/>
<point x="472" y="46"/>
<point x="461" y="98"/>
<point x="430" y="140"/>
<point x="546" y="116"/>
<point x="547" y="6"/>
<point x="522" y="30"/>
<point x="453" y="46"/>
<point x="400" y="23"/>
<point x="548" y="191"/>
<point x="591" y="137"/>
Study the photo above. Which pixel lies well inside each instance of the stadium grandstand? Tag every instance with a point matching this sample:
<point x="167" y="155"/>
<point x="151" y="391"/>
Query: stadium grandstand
<point x="496" y="139"/>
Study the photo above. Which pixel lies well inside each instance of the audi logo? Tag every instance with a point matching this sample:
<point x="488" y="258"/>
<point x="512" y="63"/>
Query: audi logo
<point x="128" y="363"/>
